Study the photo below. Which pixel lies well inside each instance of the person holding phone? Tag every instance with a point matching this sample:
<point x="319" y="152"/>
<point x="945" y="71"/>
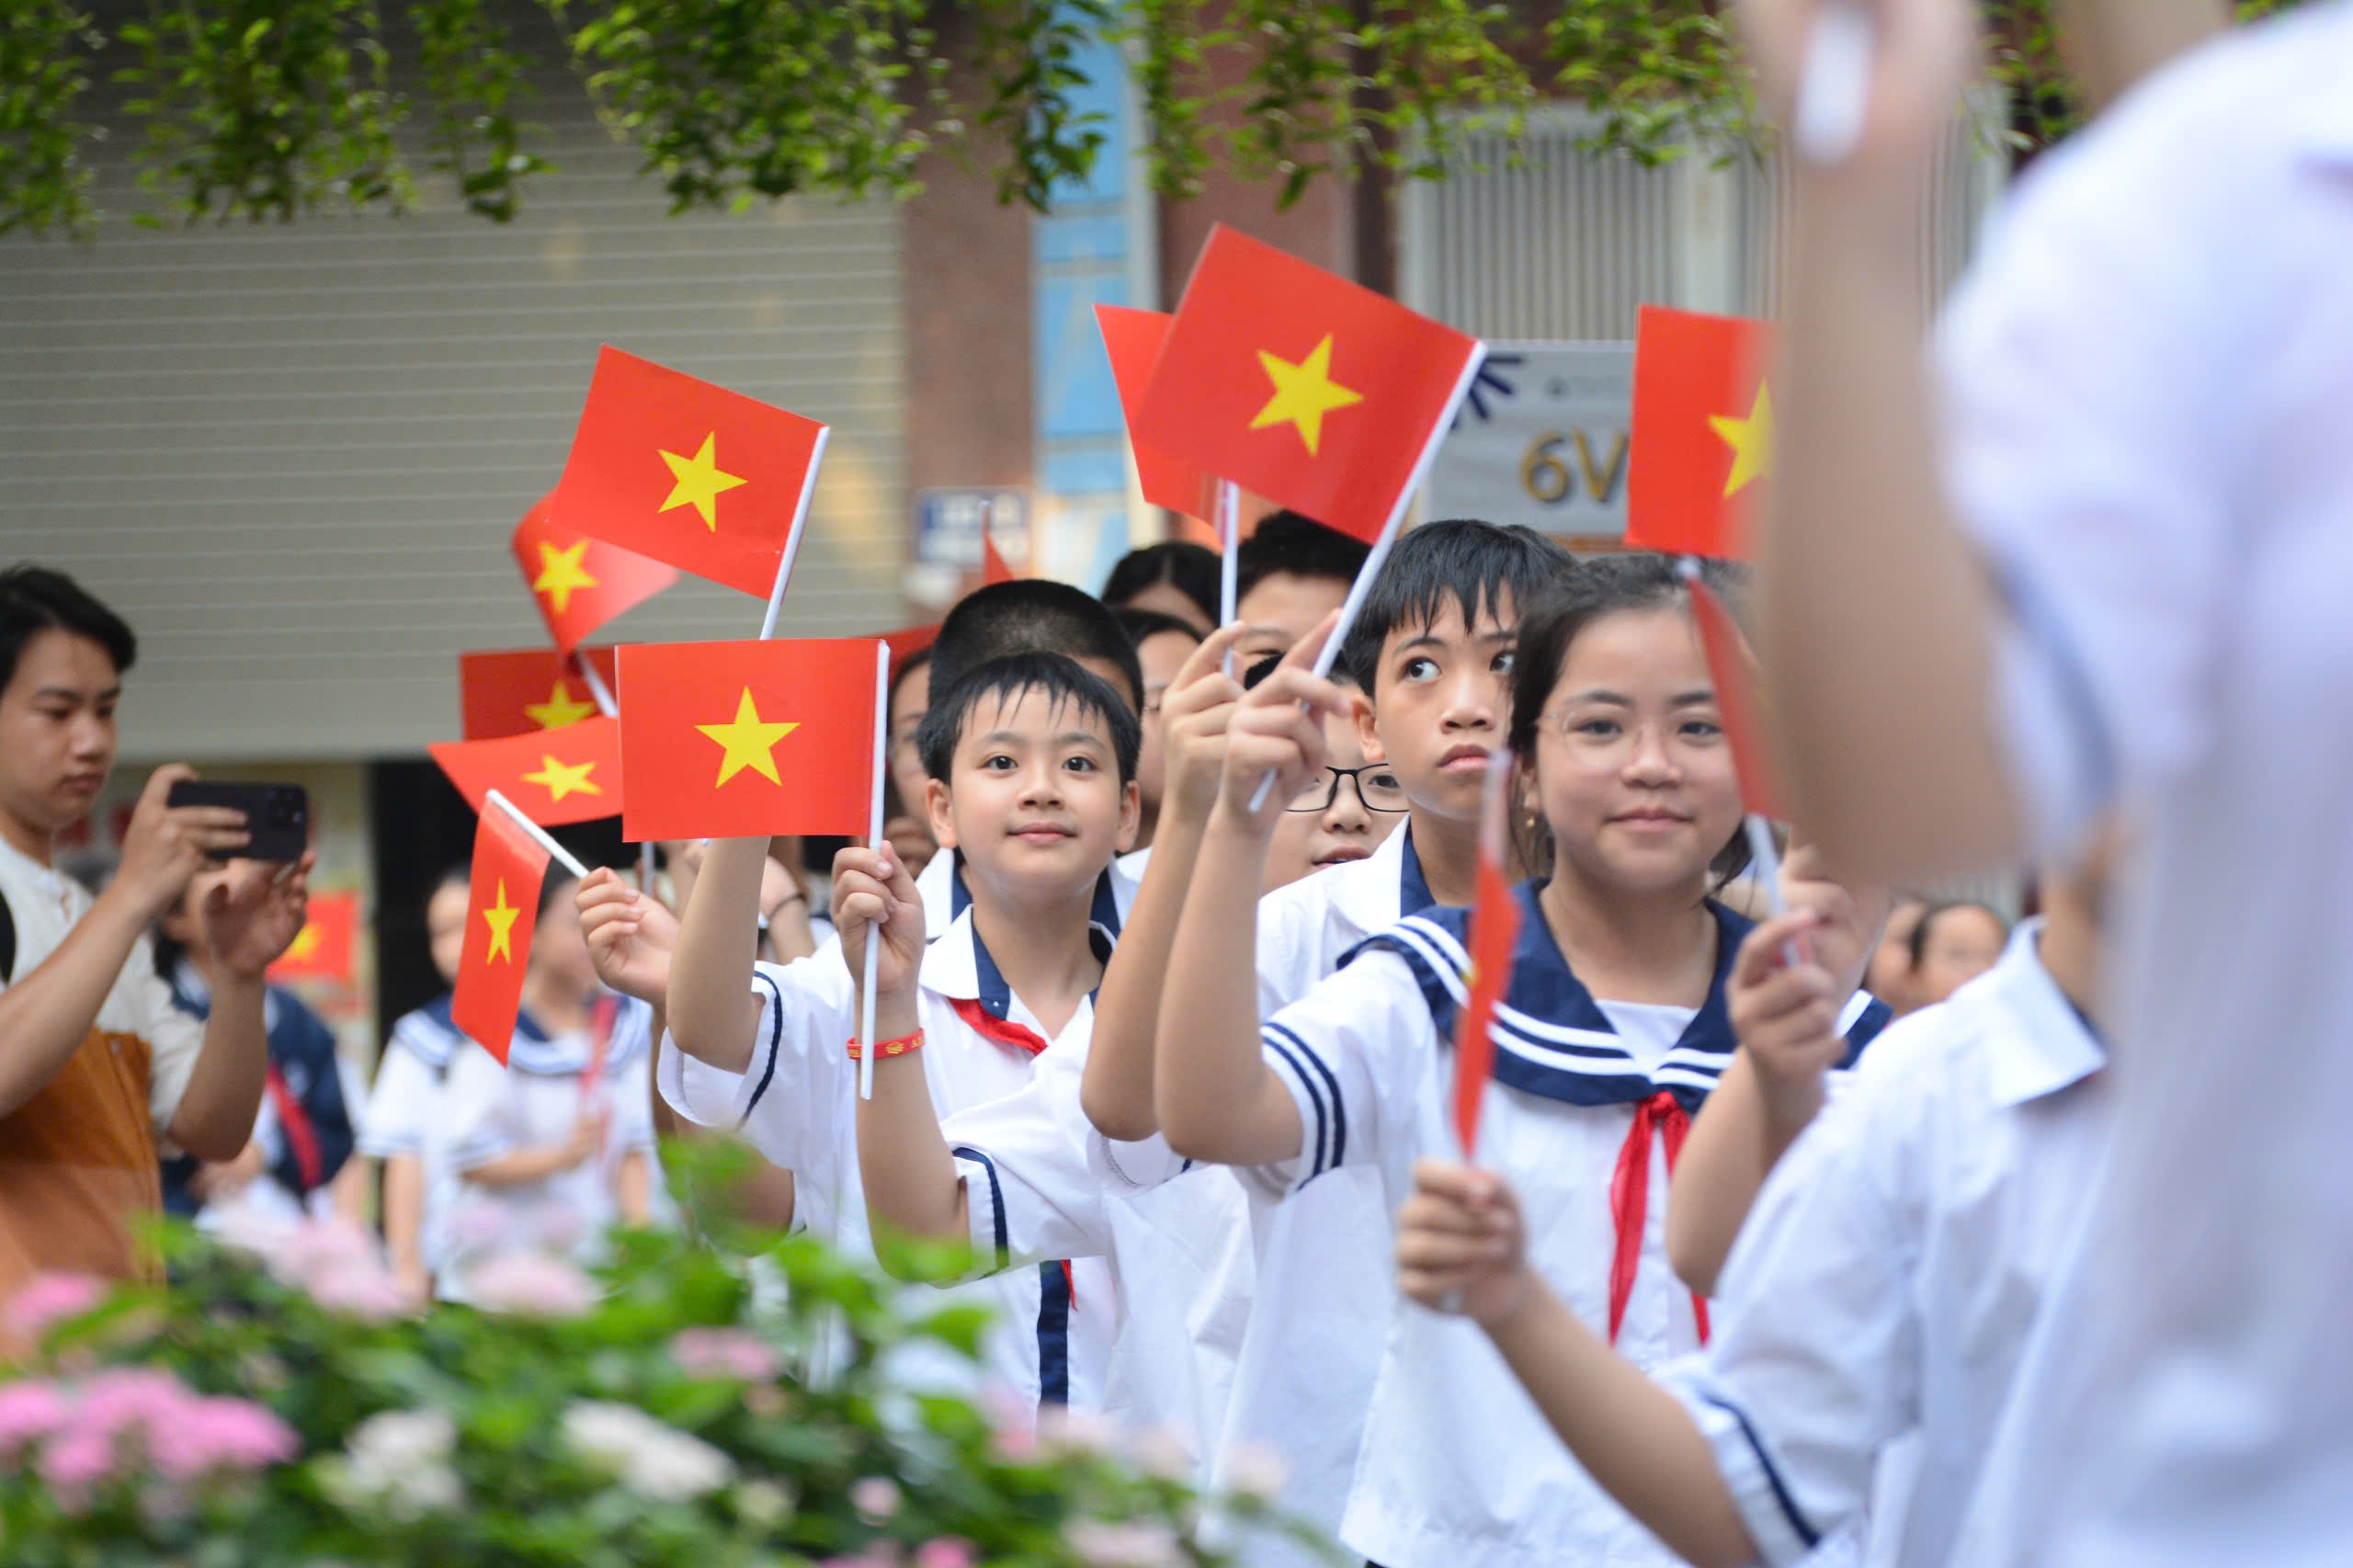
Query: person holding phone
<point x="99" y="1073"/>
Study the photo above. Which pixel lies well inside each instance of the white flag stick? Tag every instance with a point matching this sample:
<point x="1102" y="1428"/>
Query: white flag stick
<point x="1229" y="540"/>
<point x="1835" y="91"/>
<point x="792" y="540"/>
<point x="562" y="856"/>
<point x="1354" y="604"/>
<point x="596" y="683"/>
<point x="645" y="869"/>
<point x="874" y="841"/>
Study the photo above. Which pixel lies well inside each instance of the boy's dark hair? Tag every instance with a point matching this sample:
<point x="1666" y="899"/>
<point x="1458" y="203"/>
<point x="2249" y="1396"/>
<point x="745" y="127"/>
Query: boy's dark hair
<point x="902" y="669"/>
<point x="1190" y="569"/>
<point x="558" y="880"/>
<point x="1009" y="679"/>
<point x="1142" y="624"/>
<point x="1603" y="585"/>
<point x="1461" y="561"/>
<point x="1917" y="947"/>
<point x="1030" y="615"/>
<point x="1287" y="541"/>
<point x="35" y="599"/>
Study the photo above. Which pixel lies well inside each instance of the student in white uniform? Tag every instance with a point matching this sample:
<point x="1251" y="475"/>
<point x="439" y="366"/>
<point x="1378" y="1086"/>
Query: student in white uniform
<point x="554" y="1148"/>
<point x="1031" y="760"/>
<point x="1880" y="1292"/>
<point x="403" y="1126"/>
<point x="1162" y="643"/>
<point x="1613" y="1030"/>
<point x="1430" y="655"/>
<point x="2113" y="518"/>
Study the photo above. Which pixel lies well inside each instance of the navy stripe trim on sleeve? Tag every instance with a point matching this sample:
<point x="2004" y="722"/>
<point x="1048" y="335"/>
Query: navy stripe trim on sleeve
<point x="1053" y="1335"/>
<point x="997" y="1199"/>
<point x="1287" y="1047"/>
<point x="776" y="1039"/>
<point x="1339" y="1110"/>
<point x="1797" y="1521"/>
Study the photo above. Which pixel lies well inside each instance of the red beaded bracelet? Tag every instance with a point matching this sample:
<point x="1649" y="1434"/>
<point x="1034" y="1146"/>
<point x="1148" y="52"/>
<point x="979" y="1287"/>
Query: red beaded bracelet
<point x="905" y="1045"/>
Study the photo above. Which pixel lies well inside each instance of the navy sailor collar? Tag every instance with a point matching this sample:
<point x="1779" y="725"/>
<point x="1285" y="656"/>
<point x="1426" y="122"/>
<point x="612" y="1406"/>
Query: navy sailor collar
<point x="1551" y="1038"/>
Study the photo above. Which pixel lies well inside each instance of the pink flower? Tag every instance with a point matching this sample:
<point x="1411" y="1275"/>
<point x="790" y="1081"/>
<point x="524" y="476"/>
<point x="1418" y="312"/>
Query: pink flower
<point x="1100" y="1544"/>
<point x="369" y="1293"/>
<point x="727" y="1353"/>
<point x="876" y="1498"/>
<point x="48" y="1299"/>
<point x="1256" y="1470"/>
<point x="29" y="1410"/>
<point x="529" y="1284"/>
<point x="74" y="1463"/>
<point x="122" y="1398"/>
<point x="211" y="1434"/>
<point x="881" y="1554"/>
<point x="946" y="1552"/>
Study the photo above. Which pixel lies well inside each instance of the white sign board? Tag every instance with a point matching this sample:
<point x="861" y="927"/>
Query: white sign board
<point x="1542" y="440"/>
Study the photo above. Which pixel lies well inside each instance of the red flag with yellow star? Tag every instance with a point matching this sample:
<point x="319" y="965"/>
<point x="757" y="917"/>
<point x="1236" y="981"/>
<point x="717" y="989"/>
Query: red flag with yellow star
<point x="1703" y="432"/>
<point x="520" y="691"/>
<point x="727" y="740"/>
<point x="553" y="777"/>
<point x="710" y="481"/>
<point x="502" y="911"/>
<point x="1492" y="938"/>
<point x="1132" y="339"/>
<point x="1730" y="667"/>
<point x="1302" y="387"/>
<point x="322" y="950"/>
<point x="580" y="583"/>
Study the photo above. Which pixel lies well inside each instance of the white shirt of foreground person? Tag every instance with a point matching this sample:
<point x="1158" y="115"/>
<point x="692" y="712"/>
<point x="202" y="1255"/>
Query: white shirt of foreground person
<point x="2149" y="430"/>
<point x="1885" y="1283"/>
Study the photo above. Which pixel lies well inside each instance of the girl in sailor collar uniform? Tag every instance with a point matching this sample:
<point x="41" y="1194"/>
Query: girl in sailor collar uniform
<point x="1612" y="1033"/>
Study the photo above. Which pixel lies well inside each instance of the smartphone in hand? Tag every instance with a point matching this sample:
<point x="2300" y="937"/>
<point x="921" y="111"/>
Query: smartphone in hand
<point x="276" y="815"/>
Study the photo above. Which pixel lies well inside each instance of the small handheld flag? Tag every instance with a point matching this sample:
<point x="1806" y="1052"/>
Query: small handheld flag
<point x="555" y="776"/>
<point x="732" y="740"/>
<point x="1132" y="340"/>
<point x="710" y="481"/>
<point x="580" y="583"/>
<point x="1729" y="666"/>
<point x="322" y="949"/>
<point x="1494" y="934"/>
<point x="502" y="911"/>
<point x="1302" y="387"/>
<point x="909" y="640"/>
<point x="992" y="567"/>
<point x="1702" y="441"/>
<point x="522" y="691"/>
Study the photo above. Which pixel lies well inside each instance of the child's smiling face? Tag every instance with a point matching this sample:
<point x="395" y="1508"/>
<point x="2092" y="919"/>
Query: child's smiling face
<point x="1034" y="798"/>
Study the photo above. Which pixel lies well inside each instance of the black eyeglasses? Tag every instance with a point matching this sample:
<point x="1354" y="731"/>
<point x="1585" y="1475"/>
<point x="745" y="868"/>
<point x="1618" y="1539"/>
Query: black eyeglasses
<point x="1376" y="783"/>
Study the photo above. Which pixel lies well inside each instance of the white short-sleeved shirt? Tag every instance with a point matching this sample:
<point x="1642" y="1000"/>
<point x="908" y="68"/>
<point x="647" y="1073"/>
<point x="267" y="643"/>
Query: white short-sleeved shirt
<point x="796" y="1102"/>
<point x="1886" y="1281"/>
<point x="46" y="904"/>
<point x="533" y="1102"/>
<point x="1457" y="1464"/>
<point x="403" y="1120"/>
<point x="2145" y="385"/>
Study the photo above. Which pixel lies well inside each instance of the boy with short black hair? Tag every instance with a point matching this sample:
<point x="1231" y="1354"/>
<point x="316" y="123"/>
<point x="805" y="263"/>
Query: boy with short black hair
<point x="1288" y="575"/>
<point x="1031" y="761"/>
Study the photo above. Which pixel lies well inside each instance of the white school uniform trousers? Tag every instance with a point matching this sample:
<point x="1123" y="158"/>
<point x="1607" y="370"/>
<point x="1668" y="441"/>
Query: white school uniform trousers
<point x="404" y="1113"/>
<point x="1456" y="1465"/>
<point x="796" y="1102"/>
<point x="1884" y="1283"/>
<point x="532" y="1102"/>
<point x="2147" y="386"/>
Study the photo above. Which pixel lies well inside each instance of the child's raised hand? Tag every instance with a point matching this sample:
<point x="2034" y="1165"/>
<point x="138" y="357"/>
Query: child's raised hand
<point x="630" y="937"/>
<point x="1851" y="916"/>
<point x="871" y="885"/>
<point x="1786" y="1017"/>
<point x="1462" y="1246"/>
<point x="1278" y="729"/>
<point x="1194" y="714"/>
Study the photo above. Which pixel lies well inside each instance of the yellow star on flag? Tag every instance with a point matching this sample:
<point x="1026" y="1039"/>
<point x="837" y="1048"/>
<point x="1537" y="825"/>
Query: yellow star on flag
<point x="700" y="481"/>
<point x="1751" y="440"/>
<point x="561" y="778"/>
<point x="561" y="708"/>
<point x="1304" y="394"/>
<point x="501" y="915"/>
<point x="306" y="942"/>
<point x="561" y="573"/>
<point x="747" y="742"/>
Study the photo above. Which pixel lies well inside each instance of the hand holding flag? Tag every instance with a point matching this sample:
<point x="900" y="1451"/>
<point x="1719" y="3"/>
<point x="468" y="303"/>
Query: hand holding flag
<point x="1492" y="938"/>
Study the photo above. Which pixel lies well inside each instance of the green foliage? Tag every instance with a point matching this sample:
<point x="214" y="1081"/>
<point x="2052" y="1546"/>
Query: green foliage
<point x="43" y="70"/>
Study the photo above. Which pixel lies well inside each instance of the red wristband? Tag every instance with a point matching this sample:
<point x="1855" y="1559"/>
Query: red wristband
<point x="905" y="1045"/>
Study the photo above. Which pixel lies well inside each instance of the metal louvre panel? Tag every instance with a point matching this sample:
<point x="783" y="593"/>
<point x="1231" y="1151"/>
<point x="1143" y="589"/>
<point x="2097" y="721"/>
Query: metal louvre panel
<point x="290" y="454"/>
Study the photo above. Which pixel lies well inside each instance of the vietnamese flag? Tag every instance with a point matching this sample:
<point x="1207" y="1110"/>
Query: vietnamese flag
<point x="1492" y="937"/>
<point x="553" y="777"/>
<point x="909" y="640"/>
<point x="731" y="740"/>
<point x="1730" y="667"/>
<point x="1703" y="432"/>
<point x="710" y="481"/>
<point x="1302" y="387"/>
<point x="992" y="567"/>
<point x="522" y="691"/>
<point x="580" y="583"/>
<point x="322" y="950"/>
<point x="502" y="911"/>
<point x="1132" y="339"/>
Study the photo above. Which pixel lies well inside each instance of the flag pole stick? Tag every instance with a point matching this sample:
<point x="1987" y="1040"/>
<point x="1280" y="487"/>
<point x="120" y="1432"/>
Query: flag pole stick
<point x="988" y="531"/>
<point x="792" y="540"/>
<point x="645" y="869"/>
<point x="596" y="683"/>
<point x="874" y="841"/>
<point x="556" y="852"/>
<point x="1354" y="604"/>
<point x="1228" y="539"/>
